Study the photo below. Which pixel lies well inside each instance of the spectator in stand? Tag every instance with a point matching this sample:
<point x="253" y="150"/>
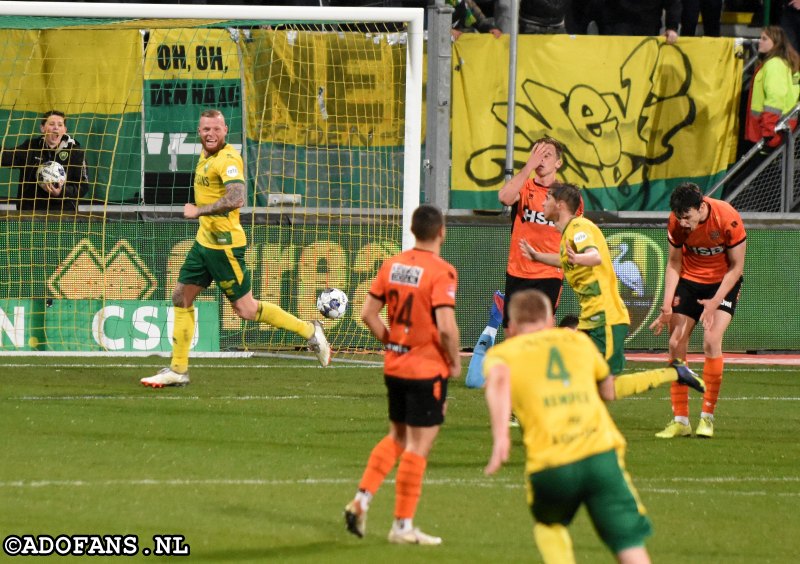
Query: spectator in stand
<point x="641" y="17"/>
<point x="542" y="17"/>
<point x="54" y="144"/>
<point x="775" y="87"/>
<point x="712" y="17"/>
<point x="581" y="13"/>
<point x="467" y="16"/>
<point x="790" y="22"/>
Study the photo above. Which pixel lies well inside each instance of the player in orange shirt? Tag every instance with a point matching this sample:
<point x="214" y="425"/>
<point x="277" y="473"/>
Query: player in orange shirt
<point x="526" y="192"/>
<point x="702" y="282"/>
<point x="422" y="344"/>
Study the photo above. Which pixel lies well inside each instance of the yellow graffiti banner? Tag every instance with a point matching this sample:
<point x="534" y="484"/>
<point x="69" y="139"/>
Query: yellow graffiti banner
<point x="317" y="88"/>
<point x="201" y="54"/>
<point x="635" y="113"/>
<point x="74" y="71"/>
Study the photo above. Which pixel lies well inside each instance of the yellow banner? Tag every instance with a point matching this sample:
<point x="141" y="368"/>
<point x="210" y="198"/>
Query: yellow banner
<point x="315" y="88"/>
<point x="633" y="112"/>
<point x="200" y="54"/>
<point x="73" y="71"/>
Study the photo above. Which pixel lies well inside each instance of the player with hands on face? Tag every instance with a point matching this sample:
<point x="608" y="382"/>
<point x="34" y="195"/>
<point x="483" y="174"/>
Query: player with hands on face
<point x="525" y="192"/>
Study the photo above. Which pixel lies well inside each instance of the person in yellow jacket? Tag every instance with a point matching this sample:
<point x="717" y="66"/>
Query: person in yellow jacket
<point x="775" y="87"/>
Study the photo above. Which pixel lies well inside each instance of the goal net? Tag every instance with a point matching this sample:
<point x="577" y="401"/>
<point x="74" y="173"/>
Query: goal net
<point x="323" y="104"/>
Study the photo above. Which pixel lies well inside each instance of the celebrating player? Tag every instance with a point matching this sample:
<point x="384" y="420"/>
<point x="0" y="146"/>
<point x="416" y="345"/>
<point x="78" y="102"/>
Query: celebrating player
<point x="555" y="380"/>
<point x="218" y="254"/>
<point x="702" y="282"/>
<point x="422" y="340"/>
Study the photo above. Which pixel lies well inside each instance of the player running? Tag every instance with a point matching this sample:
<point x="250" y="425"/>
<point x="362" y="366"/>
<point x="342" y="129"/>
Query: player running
<point x="218" y="255"/>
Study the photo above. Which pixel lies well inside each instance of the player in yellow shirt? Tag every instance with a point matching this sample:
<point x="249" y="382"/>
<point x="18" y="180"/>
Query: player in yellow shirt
<point x="555" y="381"/>
<point x="218" y="255"/>
<point x="588" y="268"/>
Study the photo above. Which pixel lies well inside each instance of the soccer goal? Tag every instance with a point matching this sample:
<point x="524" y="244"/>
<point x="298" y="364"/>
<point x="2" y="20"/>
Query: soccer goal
<point x="324" y="104"/>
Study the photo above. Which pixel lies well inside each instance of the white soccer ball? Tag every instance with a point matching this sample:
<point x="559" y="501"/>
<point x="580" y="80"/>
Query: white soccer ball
<point x="332" y="303"/>
<point x="51" y="172"/>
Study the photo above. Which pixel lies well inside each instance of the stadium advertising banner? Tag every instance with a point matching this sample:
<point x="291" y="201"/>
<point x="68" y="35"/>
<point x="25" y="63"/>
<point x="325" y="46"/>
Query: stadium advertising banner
<point x="100" y="325"/>
<point x="637" y="116"/>
<point x="764" y="319"/>
<point x="92" y="292"/>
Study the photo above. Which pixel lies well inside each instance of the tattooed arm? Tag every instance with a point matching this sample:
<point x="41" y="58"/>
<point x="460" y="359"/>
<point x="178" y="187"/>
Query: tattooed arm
<point x="233" y="199"/>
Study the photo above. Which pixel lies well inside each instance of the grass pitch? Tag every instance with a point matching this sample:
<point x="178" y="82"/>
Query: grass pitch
<point x="255" y="460"/>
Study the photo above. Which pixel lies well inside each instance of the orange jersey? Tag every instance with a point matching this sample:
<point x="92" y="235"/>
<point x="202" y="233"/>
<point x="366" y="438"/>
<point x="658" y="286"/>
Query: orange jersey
<point x="542" y="235"/>
<point x="704" y="250"/>
<point x="412" y="285"/>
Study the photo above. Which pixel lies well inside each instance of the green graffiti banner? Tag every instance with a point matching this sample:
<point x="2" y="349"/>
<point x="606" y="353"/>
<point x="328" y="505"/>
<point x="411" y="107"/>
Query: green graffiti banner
<point x="637" y="116"/>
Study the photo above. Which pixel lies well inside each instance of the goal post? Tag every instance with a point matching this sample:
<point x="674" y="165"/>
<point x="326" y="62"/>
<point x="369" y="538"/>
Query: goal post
<point x="325" y="105"/>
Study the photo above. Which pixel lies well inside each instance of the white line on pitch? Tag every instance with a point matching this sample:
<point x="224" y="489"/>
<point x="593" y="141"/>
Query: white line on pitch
<point x="333" y="365"/>
<point x="154" y="396"/>
<point x="190" y="398"/>
<point x="476" y="482"/>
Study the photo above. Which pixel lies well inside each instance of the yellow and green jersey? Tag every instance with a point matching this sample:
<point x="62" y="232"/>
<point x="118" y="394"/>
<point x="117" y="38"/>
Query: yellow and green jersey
<point x="595" y="286"/>
<point x="554" y="375"/>
<point x="211" y="175"/>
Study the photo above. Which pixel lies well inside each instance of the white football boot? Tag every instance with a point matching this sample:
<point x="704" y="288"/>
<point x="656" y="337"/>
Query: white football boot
<point x="166" y="377"/>
<point x="318" y="344"/>
<point x="412" y="536"/>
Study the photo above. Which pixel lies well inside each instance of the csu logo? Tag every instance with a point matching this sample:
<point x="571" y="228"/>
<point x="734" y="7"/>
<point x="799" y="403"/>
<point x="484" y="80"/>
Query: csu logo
<point x="706" y="251"/>
<point x="638" y="262"/>
<point x="532" y="216"/>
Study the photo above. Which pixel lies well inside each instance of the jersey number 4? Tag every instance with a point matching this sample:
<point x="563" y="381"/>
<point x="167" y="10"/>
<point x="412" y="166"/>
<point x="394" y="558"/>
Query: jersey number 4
<point x="555" y="367"/>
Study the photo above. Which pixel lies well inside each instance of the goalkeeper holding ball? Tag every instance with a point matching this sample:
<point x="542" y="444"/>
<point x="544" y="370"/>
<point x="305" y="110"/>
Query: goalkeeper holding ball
<point x="54" y="145"/>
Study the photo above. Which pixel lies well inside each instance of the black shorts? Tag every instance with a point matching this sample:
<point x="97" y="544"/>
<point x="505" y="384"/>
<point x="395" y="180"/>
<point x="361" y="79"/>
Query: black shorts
<point x="687" y="293"/>
<point x="418" y="403"/>
<point x="550" y="286"/>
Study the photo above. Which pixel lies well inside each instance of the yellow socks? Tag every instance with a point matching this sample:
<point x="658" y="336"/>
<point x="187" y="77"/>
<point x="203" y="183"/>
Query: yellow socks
<point x="554" y="543"/>
<point x="182" y="335"/>
<point x="639" y="382"/>
<point x="275" y="316"/>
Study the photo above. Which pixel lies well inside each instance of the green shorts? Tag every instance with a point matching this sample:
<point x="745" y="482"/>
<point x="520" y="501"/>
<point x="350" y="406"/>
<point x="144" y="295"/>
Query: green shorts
<point x="226" y="267"/>
<point x="599" y="481"/>
<point x="610" y="341"/>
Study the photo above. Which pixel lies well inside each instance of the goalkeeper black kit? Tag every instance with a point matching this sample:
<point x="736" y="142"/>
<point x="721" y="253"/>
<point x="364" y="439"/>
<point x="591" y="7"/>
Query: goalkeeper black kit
<point x="34" y="152"/>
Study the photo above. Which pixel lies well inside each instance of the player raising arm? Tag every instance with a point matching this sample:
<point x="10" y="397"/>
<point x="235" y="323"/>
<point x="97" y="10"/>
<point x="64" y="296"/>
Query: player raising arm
<point x="703" y="278"/>
<point x="525" y="192"/>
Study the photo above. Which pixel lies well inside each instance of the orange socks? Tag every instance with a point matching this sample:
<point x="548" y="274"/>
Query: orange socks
<point x="409" y="484"/>
<point x="712" y="376"/>
<point x="380" y="463"/>
<point x="680" y="399"/>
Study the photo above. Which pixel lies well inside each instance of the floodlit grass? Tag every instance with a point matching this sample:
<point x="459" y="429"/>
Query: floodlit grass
<point x="255" y="460"/>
